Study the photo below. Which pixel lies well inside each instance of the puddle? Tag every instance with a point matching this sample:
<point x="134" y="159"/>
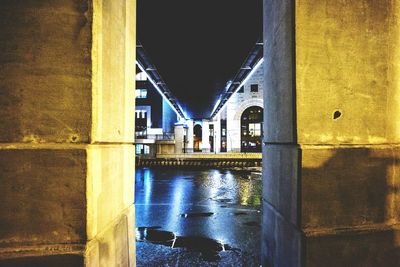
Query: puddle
<point x="252" y="224"/>
<point x="209" y="248"/>
<point x="140" y="228"/>
<point x="246" y="177"/>
<point x="155" y="236"/>
<point x="223" y="206"/>
<point x="240" y="213"/>
<point x="223" y="200"/>
<point x="197" y="214"/>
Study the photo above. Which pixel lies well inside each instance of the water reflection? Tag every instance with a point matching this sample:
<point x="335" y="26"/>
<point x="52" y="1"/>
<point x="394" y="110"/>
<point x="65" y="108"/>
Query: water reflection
<point x="230" y="200"/>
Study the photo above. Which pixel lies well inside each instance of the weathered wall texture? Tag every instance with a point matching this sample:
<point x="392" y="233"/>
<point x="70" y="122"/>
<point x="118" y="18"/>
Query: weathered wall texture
<point x="331" y="190"/>
<point x="67" y="112"/>
<point x="345" y="55"/>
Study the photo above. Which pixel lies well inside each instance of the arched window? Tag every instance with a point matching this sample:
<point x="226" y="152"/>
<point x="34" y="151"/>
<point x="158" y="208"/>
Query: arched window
<point x="197" y="137"/>
<point x="251" y="129"/>
<point x="141" y="76"/>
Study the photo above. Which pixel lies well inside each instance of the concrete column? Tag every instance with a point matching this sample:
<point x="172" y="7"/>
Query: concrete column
<point x="331" y="154"/>
<point x="67" y="116"/>
<point x="233" y="134"/>
<point x="206" y="135"/>
<point x="233" y="124"/>
<point x="179" y="139"/>
<point x="190" y="125"/>
<point x="217" y="133"/>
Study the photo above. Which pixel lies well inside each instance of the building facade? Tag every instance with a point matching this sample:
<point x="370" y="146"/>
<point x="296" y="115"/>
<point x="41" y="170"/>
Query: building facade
<point x="156" y="110"/>
<point x="236" y="124"/>
<point x="155" y="119"/>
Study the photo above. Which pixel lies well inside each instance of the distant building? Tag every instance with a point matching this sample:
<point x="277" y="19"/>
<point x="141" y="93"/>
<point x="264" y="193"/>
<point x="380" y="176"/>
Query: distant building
<point x="157" y="111"/>
<point x="236" y="123"/>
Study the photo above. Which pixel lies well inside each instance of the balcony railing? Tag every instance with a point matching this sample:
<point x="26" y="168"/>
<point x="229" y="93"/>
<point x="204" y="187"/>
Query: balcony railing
<point x="232" y="150"/>
<point x="158" y="137"/>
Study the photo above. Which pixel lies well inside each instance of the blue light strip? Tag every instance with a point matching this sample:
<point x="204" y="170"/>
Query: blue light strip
<point x="161" y="92"/>
<point x="259" y="63"/>
<point x="216" y="105"/>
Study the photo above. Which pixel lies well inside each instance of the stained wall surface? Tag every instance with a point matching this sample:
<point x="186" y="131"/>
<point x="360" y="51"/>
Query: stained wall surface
<point x="331" y="175"/>
<point x="67" y="110"/>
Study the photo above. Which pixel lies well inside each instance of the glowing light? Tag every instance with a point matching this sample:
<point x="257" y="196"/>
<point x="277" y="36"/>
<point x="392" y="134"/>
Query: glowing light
<point x="259" y="63"/>
<point x="216" y="105"/>
<point x="160" y="92"/>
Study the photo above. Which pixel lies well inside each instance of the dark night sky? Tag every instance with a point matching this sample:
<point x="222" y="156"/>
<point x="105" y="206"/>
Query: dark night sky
<point x="197" y="46"/>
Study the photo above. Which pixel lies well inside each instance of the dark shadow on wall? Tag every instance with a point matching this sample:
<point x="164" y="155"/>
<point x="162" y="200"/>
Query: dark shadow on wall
<point x="350" y="206"/>
<point x="339" y="207"/>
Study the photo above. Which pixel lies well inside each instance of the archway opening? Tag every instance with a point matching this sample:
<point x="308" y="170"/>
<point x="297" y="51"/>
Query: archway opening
<point x="197" y="137"/>
<point x="251" y="126"/>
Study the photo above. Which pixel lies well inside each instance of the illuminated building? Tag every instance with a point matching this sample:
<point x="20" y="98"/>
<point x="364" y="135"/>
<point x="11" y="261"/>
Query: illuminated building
<point x="237" y="119"/>
<point x="156" y="110"/>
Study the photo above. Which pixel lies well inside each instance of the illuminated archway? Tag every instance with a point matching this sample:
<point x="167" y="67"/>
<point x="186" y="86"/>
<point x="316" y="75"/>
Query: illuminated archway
<point x="251" y="125"/>
<point x="197" y="137"/>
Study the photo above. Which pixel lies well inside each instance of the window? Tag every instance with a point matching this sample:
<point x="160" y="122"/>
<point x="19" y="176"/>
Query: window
<point x="255" y="129"/>
<point x="141" y="76"/>
<point x="141" y="93"/>
<point x="139" y="149"/>
<point x="254" y="88"/>
<point x="142" y="149"/>
<point x="251" y="129"/>
<point x="211" y="132"/>
<point x="141" y="114"/>
<point x="241" y="90"/>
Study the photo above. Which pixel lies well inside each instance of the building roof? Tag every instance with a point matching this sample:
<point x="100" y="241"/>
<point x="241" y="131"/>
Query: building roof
<point x="249" y="66"/>
<point x="144" y="63"/>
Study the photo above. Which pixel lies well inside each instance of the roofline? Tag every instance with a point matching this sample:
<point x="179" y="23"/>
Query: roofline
<point x="145" y="65"/>
<point x="253" y="61"/>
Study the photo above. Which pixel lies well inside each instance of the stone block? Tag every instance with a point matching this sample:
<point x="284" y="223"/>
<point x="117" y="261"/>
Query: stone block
<point x="347" y="75"/>
<point x="349" y="186"/>
<point x="66" y="260"/>
<point x="45" y="80"/>
<point x="357" y="248"/>
<point x="281" y="241"/>
<point x="115" y="245"/>
<point x="281" y="180"/>
<point x="114" y="67"/>
<point x="42" y="196"/>
<point x="279" y="72"/>
<point x="110" y="184"/>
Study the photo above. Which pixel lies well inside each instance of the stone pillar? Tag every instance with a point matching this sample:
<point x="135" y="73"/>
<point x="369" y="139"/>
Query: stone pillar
<point x="206" y="135"/>
<point x="67" y="115"/>
<point x="234" y="135"/>
<point x="217" y="134"/>
<point x="179" y="139"/>
<point x="190" y="128"/>
<point x="332" y="117"/>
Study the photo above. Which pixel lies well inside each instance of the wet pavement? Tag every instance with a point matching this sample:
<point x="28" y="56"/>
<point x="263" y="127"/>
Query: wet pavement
<point x="197" y="218"/>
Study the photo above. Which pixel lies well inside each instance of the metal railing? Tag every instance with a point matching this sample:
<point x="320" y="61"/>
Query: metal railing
<point x="159" y="137"/>
<point x="192" y="150"/>
<point x="204" y="150"/>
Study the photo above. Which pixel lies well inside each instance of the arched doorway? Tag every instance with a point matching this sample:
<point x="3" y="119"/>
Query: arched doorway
<point x="251" y="125"/>
<point x="197" y="137"/>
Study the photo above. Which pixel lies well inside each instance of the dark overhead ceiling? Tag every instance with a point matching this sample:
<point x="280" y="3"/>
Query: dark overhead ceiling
<point x="197" y="46"/>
